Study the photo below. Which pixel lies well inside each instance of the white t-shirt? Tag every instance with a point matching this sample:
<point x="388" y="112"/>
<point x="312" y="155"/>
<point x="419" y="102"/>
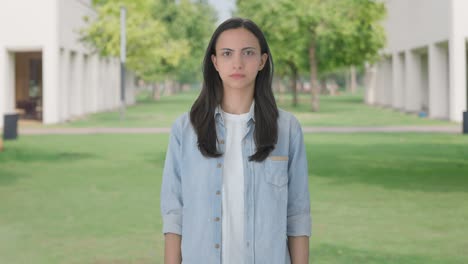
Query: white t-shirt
<point x="233" y="190"/>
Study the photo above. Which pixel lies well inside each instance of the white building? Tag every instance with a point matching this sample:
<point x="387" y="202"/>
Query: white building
<point x="45" y="72"/>
<point x="424" y="66"/>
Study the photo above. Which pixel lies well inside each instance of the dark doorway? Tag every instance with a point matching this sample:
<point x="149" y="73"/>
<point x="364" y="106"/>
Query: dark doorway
<point x="28" y="85"/>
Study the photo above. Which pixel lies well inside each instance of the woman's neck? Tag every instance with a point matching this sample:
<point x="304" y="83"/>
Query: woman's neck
<point x="237" y="102"/>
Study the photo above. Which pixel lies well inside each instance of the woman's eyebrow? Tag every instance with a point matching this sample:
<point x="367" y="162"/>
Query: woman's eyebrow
<point x="229" y="49"/>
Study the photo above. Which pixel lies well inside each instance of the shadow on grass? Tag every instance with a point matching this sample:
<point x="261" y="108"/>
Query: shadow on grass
<point x="123" y="261"/>
<point x="409" y="166"/>
<point x="14" y="157"/>
<point x="185" y="98"/>
<point x="8" y="176"/>
<point x="341" y="101"/>
<point x="155" y="158"/>
<point x="326" y="253"/>
<point x="37" y="155"/>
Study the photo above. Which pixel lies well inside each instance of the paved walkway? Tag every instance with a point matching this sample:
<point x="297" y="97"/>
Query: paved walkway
<point x="117" y="130"/>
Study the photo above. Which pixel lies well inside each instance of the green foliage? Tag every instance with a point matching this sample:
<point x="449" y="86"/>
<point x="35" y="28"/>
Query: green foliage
<point x="345" y="32"/>
<point x="277" y="20"/>
<point x="192" y="22"/>
<point x="163" y="37"/>
<point x="353" y="36"/>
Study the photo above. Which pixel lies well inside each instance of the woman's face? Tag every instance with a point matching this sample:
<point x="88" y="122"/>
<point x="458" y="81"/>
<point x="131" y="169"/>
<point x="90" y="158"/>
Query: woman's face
<point x="238" y="59"/>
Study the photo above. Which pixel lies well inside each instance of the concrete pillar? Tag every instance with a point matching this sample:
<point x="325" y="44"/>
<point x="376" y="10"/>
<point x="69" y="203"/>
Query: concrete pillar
<point x="3" y="81"/>
<point x="370" y="83"/>
<point x="388" y="82"/>
<point x="115" y="84"/>
<point x="438" y="81"/>
<point x="413" y="85"/>
<point x="116" y="75"/>
<point x="50" y="71"/>
<point x="108" y="83"/>
<point x="72" y="85"/>
<point x="457" y="61"/>
<point x="383" y="84"/>
<point x="398" y="80"/>
<point x="94" y="82"/>
<point x="129" y="88"/>
<point x="85" y="85"/>
<point x="457" y="75"/>
<point x="88" y="86"/>
<point x="51" y="82"/>
<point x="380" y="83"/>
<point x="78" y="85"/>
<point x="7" y="83"/>
<point x="102" y="87"/>
<point x="64" y="108"/>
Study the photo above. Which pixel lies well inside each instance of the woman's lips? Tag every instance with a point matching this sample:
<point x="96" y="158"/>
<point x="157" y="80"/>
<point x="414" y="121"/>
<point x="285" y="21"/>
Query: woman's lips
<point x="237" y="75"/>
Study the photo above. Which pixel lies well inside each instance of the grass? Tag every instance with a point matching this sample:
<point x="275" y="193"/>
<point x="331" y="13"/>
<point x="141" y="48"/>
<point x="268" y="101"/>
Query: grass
<point x="343" y="110"/>
<point x="376" y="198"/>
<point x="81" y="199"/>
<point x="349" y="110"/>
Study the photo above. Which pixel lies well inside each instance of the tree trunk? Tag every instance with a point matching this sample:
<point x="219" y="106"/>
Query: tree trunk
<point x="315" y="89"/>
<point x="282" y="89"/>
<point x="156" y="92"/>
<point x="168" y="87"/>
<point x="277" y="89"/>
<point x="294" y="83"/>
<point x="177" y="86"/>
<point x="353" y="80"/>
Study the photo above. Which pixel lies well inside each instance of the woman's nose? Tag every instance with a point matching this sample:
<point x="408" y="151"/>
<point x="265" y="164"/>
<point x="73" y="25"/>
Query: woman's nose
<point x="238" y="62"/>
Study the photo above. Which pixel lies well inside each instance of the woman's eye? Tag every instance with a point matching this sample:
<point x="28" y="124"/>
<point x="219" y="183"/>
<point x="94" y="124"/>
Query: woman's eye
<point x="249" y="52"/>
<point x="226" y="53"/>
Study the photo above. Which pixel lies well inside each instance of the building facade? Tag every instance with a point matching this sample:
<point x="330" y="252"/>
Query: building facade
<point x="424" y="65"/>
<point x="46" y="73"/>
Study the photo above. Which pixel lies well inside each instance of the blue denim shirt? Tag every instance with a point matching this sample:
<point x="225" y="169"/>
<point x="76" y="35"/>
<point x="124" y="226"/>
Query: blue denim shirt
<point x="276" y="197"/>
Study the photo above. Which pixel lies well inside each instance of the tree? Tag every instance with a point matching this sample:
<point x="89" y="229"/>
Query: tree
<point x="283" y="35"/>
<point x="335" y="33"/>
<point x="193" y="22"/>
<point x="164" y="37"/>
<point x="361" y="34"/>
<point x="149" y="46"/>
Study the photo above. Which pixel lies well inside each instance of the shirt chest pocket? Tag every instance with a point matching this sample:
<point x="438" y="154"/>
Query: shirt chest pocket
<point x="276" y="170"/>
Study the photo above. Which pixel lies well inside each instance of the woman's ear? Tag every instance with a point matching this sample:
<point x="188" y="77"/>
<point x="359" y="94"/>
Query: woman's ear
<point x="263" y="60"/>
<point x="213" y="59"/>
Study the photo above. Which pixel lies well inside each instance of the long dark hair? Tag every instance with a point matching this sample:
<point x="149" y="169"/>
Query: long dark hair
<point x="211" y="95"/>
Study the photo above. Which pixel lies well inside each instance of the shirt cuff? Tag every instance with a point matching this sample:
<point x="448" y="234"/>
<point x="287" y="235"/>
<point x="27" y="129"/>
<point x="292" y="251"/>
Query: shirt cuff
<point x="299" y="225"/>
<point x="172" y="224"/>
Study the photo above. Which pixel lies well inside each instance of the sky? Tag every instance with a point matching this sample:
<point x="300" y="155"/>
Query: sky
<point x="224" y="8"/>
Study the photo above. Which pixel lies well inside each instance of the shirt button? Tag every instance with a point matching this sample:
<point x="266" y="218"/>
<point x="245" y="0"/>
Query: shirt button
<point x="221" y="141"/>
<point x="218" y="192"/>
<point x="216" y="219"/>
<point x="216" y="245"/>
<point x="219" y="165"/>
<point x="248" y="244"/>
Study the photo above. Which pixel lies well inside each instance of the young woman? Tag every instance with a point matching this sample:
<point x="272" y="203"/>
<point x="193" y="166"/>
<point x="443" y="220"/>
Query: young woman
<point x="235" y="181"/>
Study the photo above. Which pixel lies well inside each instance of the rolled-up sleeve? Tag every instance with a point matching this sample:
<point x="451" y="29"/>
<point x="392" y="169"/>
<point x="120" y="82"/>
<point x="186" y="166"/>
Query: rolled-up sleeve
<point x="299" y="217"/>
<point x="171" y="189"/>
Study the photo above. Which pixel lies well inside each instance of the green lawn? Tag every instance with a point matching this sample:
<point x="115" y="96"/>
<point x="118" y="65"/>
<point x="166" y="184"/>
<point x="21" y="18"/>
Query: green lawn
<point x="376" y="198"/>
<point x="344" y="110"/>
